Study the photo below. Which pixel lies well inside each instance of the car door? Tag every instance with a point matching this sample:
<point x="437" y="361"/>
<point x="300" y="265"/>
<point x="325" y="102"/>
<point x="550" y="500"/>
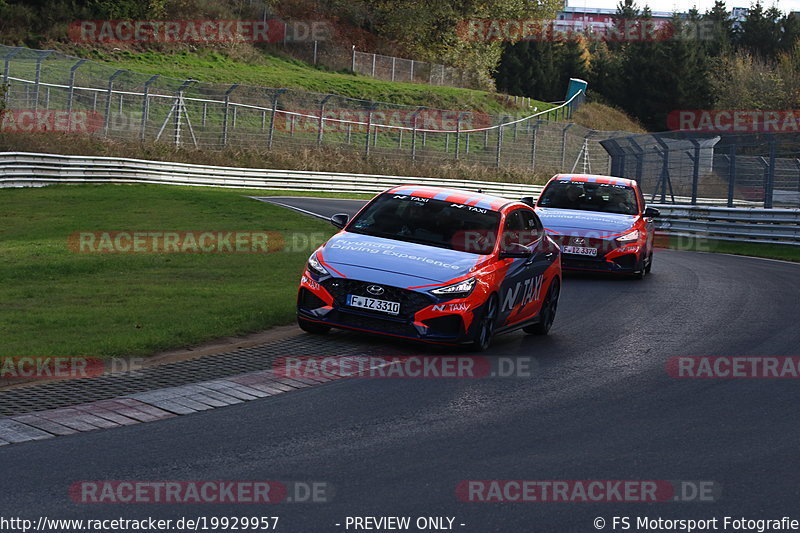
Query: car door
<point x="649" y="226"/>
<point x="520" y="292"/>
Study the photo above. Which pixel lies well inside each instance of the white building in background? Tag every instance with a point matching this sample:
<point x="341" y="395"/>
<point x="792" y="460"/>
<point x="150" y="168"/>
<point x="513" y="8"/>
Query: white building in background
<point x="738" y="15"/>
<point x="597" y="19"/>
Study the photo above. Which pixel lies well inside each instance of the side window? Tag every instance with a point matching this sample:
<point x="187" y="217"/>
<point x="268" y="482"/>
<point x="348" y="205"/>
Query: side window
<point x="522" y="227"/>
<point x="532" y="227"/>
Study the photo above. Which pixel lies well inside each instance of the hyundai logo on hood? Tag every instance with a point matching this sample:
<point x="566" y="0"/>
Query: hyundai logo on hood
<point x="375" y="290"/>
<point x="578" y="241"/>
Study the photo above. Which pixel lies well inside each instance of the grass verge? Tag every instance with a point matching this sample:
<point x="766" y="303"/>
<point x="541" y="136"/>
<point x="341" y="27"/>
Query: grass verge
<point x="58" y="302"/>
<point x="783" y="252"/>
<point x="274" y="71"/>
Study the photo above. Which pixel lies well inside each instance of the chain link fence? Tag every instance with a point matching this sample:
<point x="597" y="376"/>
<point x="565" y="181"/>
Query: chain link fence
<point x="49" y="90"/>
<point x="382" y="67"/>
<point x="757" y="168"/>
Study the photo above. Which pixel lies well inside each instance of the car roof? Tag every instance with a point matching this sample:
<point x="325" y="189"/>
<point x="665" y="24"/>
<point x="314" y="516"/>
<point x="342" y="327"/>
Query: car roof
<point x="594" y="178"/>
<point x="458" y="196"/>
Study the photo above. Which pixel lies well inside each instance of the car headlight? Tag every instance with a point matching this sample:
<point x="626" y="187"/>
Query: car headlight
<point x="631" y="236"/>
<point x="315" y="266"/>
<point x="456" y="289"/>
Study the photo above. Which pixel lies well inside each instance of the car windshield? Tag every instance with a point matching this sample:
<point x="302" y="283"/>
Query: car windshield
<point x="586" y="196"/>
<point x="427" y="221"/>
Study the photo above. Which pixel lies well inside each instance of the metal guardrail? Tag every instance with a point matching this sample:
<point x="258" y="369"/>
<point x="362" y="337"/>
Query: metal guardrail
<point x="19" y="169"/>
<point x="740" y="224"/>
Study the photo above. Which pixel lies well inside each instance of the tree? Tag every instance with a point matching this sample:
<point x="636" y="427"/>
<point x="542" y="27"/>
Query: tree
<point x="531" y="68"/>
<point x="761" y="32"/>
<point x="719" y="41"/>
<point x="790" y="32"/>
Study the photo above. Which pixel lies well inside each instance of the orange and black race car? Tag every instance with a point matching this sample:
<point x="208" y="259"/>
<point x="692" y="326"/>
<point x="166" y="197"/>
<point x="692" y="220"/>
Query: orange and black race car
<point x="434" y="264"/>
<point x="601" y="223"/>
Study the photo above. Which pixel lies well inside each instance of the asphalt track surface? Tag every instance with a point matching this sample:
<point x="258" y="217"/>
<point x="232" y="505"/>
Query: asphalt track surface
<point x="599" y="405"/>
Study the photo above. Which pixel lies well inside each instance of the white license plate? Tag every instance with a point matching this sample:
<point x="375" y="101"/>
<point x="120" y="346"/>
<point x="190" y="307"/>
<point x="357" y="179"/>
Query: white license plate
<point x="364" y="302"/>
<point x="579" y="250"/>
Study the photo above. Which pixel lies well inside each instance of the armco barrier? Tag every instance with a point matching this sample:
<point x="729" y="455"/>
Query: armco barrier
<point x="17" y="169"/>
<point x="31" y="170"/>
<point x="743" y="224"/>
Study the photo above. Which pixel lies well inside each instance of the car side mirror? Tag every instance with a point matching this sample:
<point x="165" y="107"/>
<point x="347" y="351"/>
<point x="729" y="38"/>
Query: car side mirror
<point x="340" y="220"/>
<point x="528" y="200"/>
<point x="651" y="212"/>
<point x="515" y="250"/>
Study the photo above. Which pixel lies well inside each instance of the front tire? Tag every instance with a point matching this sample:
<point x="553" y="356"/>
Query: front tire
<point x="485" y="332"/>
<point x="548" y="313"/>
<point x="312" y="327"/>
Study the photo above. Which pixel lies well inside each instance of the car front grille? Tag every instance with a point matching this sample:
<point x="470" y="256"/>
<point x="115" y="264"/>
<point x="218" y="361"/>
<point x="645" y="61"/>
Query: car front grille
<point x="410" y="301"/>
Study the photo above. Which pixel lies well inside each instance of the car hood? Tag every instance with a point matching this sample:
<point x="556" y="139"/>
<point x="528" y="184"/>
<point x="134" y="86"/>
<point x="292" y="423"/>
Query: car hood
<point x="397" y="263"/>
<point x="585" y="223"/>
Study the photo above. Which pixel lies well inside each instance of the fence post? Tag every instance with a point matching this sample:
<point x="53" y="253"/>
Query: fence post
<point x="770" y="176"/>
<point x="564" y="145"/>
<point x="272" y="115"/>
<point x="146" y="105"/>
<point x="695" y="170"/>
<point x="39" y="60"/>
<point x="414" y="117"/>
<point x="412" y="70"/>
<point x="394" y="61"/>
<point x="321" y="118"/>
<point x="71" y="92"/>
<point x="109" y="94"/>
<point x="373" y="64"/>
<point x="639" y="162"/>
<point x="315" y="52"/>
<point x="7" y="68"/>
<point x="225" y="114"/>
<point x="499" y="142"/>
<point x="533" y="145"/>
<point x="353" y="61"/>
<point x="731" y="174"/>
<point x="458" y="134"/>
<point x="414" y="141"/>
<point x="369" y="127"/>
